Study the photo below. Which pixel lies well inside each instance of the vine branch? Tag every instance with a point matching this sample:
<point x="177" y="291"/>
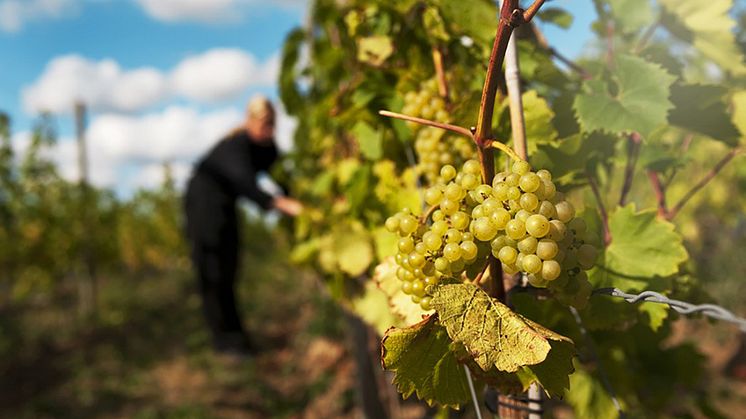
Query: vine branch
<point x="660" y="193"/>
<point x="707" y="178"/>
<point x="633" y="151"/>
<point x="442" y="125"/>
<point x="601" y="208"/>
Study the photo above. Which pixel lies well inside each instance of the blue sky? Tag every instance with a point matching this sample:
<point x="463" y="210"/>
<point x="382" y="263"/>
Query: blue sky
<point x="164" y="79"/>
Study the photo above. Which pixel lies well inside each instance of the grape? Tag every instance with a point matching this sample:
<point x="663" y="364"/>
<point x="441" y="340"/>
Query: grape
<point x="468" y="250"/>
<point x="442" y="265"/>
<point x="515" y="229"/>
<point x="586" y="256"/>
<point x="452" y="252"/>
<point x="447" y="172"/>
<point x="460" y="220"/>
<point x="565" y="211"/>
<point x="499" y="218"/>
<point x="453" y="236"/>
<point x="408" y="224"/>
<point x="507" y="255"/>
<point x="521" y="167"/>
<point x="449" y="207"/>
<point x="528" y="245"/>
<point x="453" y="192"/>
<point x="433" y="195"/>
<point x="392" y="224"/>
<point x="550" y="270"/>
<point x="425" y="303"/>
<point x="530" y="182"/>
<point x="531" y="264"/>
<point x="406" y="244"/>
<point x="529" y="201"/>
<point x="547" y="249"/>
<point x="537" y="225"/>
<point x="416" y="260"/>
<point x="483" y="229"/>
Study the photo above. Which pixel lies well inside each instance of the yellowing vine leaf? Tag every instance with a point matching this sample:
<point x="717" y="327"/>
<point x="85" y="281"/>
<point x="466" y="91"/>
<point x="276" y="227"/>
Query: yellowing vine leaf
<point x="401" y="304"/>
<point x="424" y="364"/>
<point x="493" y="334"/>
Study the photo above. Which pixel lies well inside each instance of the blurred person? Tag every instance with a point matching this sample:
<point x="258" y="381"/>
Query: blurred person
<point x="226" y="173"/>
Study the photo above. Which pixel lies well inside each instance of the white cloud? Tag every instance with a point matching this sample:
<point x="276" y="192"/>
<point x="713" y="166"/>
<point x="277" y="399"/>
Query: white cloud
<point x="15" y="13"/>
<point x="220" y="73"/>
<point x="210" y="11"/>
<point x="191" y="10"/>
<point x="216" y="75"/>
<point x="102" y="85"/>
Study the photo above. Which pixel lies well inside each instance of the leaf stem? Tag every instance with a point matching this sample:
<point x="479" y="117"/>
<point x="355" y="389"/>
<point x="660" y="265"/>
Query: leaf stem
<point x="707" y="178"/>
<point x="453" y="128"/>
<point x="428" y="213"/>
<point x="440" y="73"/>
<point x="505" y="149"/>
<point x="660" y="193"/>
<point x="601" y="208"/>
<point x="633" y="151"/>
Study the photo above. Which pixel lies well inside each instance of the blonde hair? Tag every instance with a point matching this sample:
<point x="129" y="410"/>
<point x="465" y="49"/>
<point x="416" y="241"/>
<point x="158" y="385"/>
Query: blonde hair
<point x="259" y="107"/>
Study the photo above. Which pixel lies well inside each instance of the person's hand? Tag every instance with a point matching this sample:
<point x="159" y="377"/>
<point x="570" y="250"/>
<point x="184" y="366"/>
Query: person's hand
<point x="288" y="206"/>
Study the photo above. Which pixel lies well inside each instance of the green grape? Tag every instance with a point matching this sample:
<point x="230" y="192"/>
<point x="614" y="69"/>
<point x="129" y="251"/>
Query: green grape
<point x="392" y="224"/>
<point x="432" y="241"/>
<point x="406" y="288"/>
<point x="425" y="303"/>
<point x="420" y="248"/>
<point x="537" y="280"/>
<point x="500" y="218"/>
<point x="439" y="227"/>
<point x="557" y="230"/>
<point x="544" y="174"/>
<point x="491" y="205"/>
<point x="452" y="252"/>
<point x="453" y="192"/>
<point x="515" y="229"/>
<point x="500" y="191"/>
<point x="469" y="250"/>
<point x="522" y="215"/>
<point x="565" y="211"/>
<point x="406" y="244"/>
<point x="529" y="182"/>
<point x="408" y="224"/>
<point x="460" y="220"/>
<point x="442" y="265"/>
<point x="416" y="299"/>
<point x="417" y="273"/>
<point x="469" y="181"/>
<point x="433" y="195"/>
<point x="429" y="269"/>
<point x="528" y="245"/>
<point x="449" y="207"/>
<point x="550" y="270"/>
<point x="483" y="192"/>
<point x="478" y="212"/>
<point x="447" y="172"/>
<point x="521" y="167"/>
<point x="586" y="256"/>
<point x="547" y="249"/>
<point x="510" y="269"/>
<point x="537" y="225"/>
<point x="531" y="264"/>
<point x="483" y="229"/>
<point x="547" y="209"/>
<point x="549" y="189"/>
<point x="513" y="192"/>
<point x="418" y="288"/>
<point x="416" y="260"/>
<point x="513" y="179"/>
<point x="438" y="215"/>
<point x="453" y="236"/>
<point x="529" y="201"/>
<point x="577" y="225"/>
<point x="507" y="255"/>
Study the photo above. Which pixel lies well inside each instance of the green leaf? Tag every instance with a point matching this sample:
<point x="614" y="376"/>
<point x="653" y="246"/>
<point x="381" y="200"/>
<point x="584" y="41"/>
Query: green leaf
<point x="434" y="24"/>
<point x="424" y="364"/>
<point x="289" y="91"/>
<point x="303" y="252"/>
<point x="554" y="372"/>
<point x="474" y="18"/>
<point x="701" y="108"/>
<point x="709" y="27"/>
<point x="352" y="248"/>
<point x="557" y="16"/>
<point x="739" y="111"/>
<point x="589" y="398"/>
<point x="400" y="304"/>
<point x="631" y="15"/>
<point x="640" y="104"/>
<point x="493" y="334"/>
<point x="358" y="187"/>
<point x="374" y="50"/>
<point x="538" y="118"/>
<point x="369" y="140"/>
<point x="372" y="307"/>
<point x="642" y="245"/>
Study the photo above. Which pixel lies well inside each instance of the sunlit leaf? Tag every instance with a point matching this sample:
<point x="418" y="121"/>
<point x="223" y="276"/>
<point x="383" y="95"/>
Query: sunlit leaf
<point x="399" y="303"/>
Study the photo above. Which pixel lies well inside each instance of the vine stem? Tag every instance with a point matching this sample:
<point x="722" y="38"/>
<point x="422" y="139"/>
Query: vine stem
<point x="440" y="73"/>
<point x="707" y="178"/>
<point x="601" y="208"/>
<point x="660" y="193"/>
<point x="634" y="142"/>
<point x="453" y="128"/>
<point x="505" y="149"/>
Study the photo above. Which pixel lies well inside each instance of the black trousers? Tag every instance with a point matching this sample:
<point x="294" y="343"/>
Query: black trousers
<point x="212" y="229"/>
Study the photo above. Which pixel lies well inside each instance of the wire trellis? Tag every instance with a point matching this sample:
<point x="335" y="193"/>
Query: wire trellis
<point x="710" y="310"/>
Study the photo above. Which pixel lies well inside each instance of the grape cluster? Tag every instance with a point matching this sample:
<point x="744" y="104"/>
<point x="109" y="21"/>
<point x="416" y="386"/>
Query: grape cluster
<point x="434" y="146"/>
<point x="521" y="219"/>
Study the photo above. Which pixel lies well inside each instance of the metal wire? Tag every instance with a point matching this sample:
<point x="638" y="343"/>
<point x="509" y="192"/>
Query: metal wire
<point x="710" y="310"/>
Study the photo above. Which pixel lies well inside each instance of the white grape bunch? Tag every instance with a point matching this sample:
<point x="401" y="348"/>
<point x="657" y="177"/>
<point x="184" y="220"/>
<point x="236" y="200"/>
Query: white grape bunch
<point x="520" y="219"/>
<point x="434" y="146"/>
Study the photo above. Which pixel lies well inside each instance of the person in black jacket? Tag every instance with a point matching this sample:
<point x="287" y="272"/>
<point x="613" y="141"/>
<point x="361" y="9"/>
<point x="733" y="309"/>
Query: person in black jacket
<point x="228" y="172"/>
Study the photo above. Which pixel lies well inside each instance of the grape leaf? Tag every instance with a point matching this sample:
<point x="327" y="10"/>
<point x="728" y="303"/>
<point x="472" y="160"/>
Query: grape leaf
<point x="401" y="304"/>
<point x="493" y="334"/>
<point x="588" y="397"/>
<point x="374" y="50"/>
<point x="369" y="140"/>
<point x="708" y="26"/>
<point x="643" y="245"/>
<point x="701" y="108"/>
<point x="555" y="15"/>
<point x="424" y="364"/>
<point x="554" y="372"/>
<point x="385" y="242"/>
<point x="350" y="248"/>
<point x="474" y="18"/>
<point x="640" y="104"/>
<point x="631" y="15"/>
<point x="739" y="111"/>
<point x="538" y="118"/>
<point x="372" y="307"/>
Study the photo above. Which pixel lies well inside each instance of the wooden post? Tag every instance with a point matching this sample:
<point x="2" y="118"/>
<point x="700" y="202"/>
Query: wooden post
<point x="87" y="284"/>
